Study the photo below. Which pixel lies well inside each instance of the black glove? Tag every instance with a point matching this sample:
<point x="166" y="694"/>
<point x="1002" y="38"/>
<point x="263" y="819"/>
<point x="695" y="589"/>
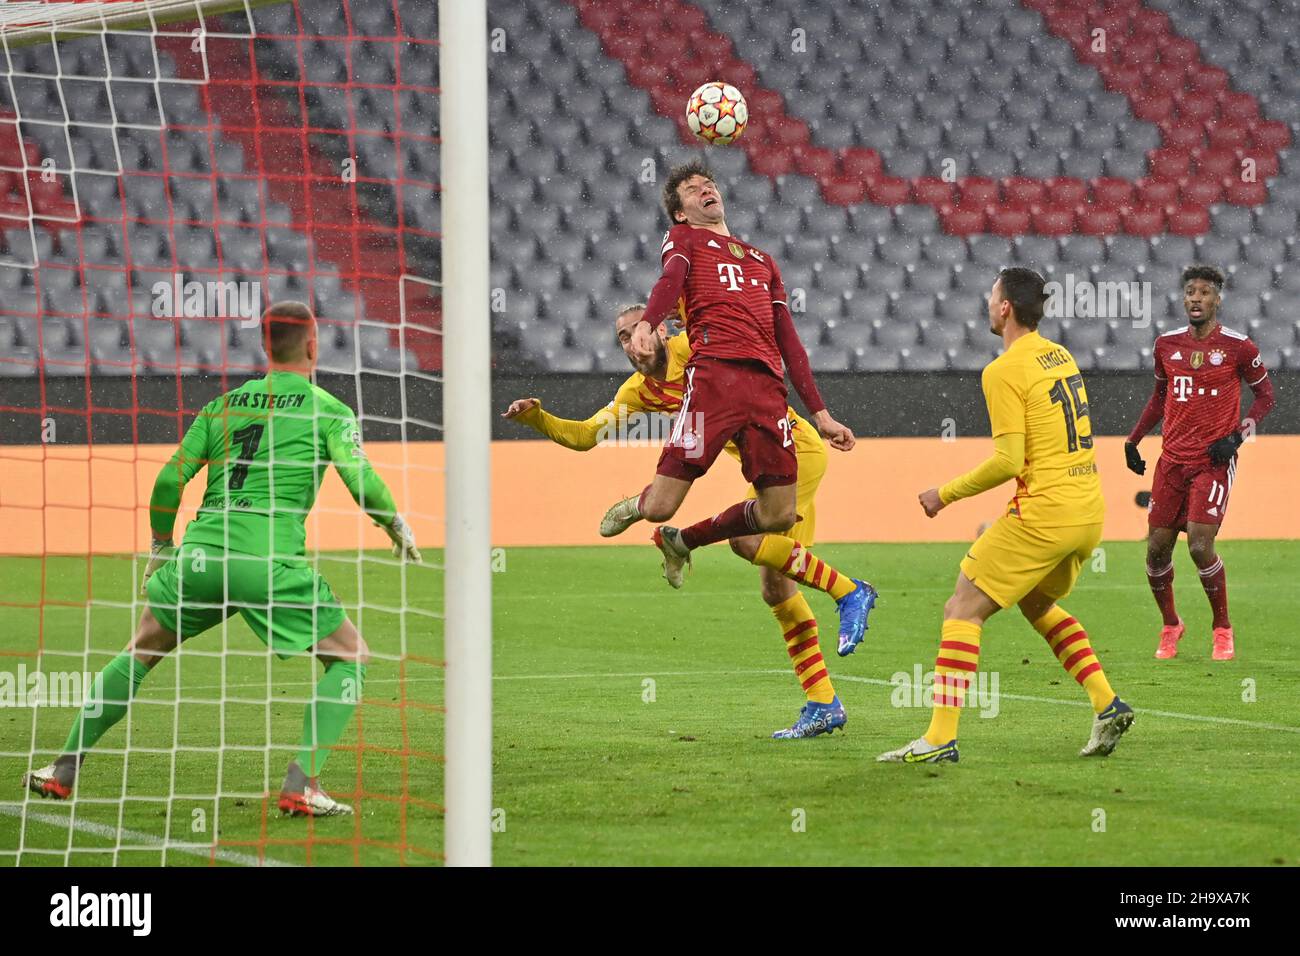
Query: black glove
<point x="1133" y="459"/>
<point x="1223" y="450"/>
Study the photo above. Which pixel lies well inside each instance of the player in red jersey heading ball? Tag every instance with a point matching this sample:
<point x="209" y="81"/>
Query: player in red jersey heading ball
<point x="732" y="301"/>
<point x="1199" y="371"/>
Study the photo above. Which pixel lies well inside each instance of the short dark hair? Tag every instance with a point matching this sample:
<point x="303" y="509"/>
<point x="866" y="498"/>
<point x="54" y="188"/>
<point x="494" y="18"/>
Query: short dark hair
<point x="677" y="176"/>
<point x="1209" y="273"/>
<point x="286" y="326"/>
<point x="1023" y="288"/>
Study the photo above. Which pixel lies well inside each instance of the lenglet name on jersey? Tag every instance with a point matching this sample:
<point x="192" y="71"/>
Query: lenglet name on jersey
<point x="1053" y="359"/>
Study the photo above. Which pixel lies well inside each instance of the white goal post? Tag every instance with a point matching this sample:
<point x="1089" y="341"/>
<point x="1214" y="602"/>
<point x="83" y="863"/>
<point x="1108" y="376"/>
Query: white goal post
<point x="466" y="362"/>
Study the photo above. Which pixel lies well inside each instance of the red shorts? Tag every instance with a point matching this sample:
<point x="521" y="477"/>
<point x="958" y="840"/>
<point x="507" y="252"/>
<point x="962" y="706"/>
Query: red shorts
<point x="1196" y="492"/>
<point x="732" y="401"/>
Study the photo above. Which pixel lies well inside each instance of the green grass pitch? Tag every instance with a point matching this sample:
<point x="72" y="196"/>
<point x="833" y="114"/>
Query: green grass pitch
<point x="632" y="723"/>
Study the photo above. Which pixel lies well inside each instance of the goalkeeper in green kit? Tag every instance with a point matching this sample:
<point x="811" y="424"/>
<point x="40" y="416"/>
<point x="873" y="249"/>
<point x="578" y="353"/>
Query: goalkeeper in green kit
<point x="266" y="446"/>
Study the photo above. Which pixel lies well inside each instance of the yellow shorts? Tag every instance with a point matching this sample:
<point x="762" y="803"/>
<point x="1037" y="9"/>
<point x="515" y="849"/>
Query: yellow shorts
<point x="810" y="452"/>
<point x="1010" y="559"/>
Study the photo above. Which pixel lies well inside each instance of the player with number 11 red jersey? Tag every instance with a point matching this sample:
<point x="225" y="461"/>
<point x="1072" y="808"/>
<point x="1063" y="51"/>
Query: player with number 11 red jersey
<point x="1199" y="371"/>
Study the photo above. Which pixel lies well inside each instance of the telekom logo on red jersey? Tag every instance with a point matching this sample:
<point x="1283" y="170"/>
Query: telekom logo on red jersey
<point x="729" y="274"/>
<point x="1182" y="387"/>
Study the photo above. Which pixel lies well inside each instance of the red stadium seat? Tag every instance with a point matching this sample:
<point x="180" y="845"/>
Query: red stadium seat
<point x="1068" y="192"/>
<point x="1019" y="191"/>
<point x="1143" y="220"/>
<point x="933" y="191"/>
<point x="815" y="161"/>
<point x="1246" y="194"/>
<point x="1169" y="163"/>
<point x="1272" y="134"/>
<point x="772" y="161"/>
<point x="1181" y="135"/>
<point x="1053" y="220"/>
<point x="1216" y="163"/>
<point x="889" y="191"/>
<point x="13" y="206"/>
<point x="861" y="163"/>
<point x="764" y="102"/>
<point x="1267" y="165"/>
<point x="844" y="190"/>
<point x="1097" y="221"/>
<point x="1138" y="49"/>
<point x="978" y="191"/>
<point x="792" y="132"/>
<point x="1156" y="192"/>
<point x="1066" y="22"/>
<point x="738" y="72"/>
<point x="1149" y="105"/>
<point x="1165" y="79"/>
<point x="1110" y="18"/>
<point x="1189" y="221"/>
<point x="1110" y="192"/>
<point x="1202" y="192"/>
<point x="962" y="220"/>
<point x="1241" y="105"/>
<point x="1148" y="21"/>
<point x="1228" y="133"/>
<point x="1210" y="79"/>
<point x="1124" y="78"/>
<point x="1198" y="106"/>
<point x="1009" y="222"/>
<point x="1181" y="51"/>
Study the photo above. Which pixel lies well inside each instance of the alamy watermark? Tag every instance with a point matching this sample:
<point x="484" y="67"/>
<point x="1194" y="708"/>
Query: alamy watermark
<point x="39" y="688"/>
<point x="230" y="299"/>
<point x="684" y="430"/>
<point x="917" y="689"/>
<point x="1085" y="299"/>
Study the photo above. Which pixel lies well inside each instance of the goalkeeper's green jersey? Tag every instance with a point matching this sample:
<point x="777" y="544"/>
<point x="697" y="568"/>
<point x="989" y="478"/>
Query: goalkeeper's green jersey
<point x="266" y="445"/>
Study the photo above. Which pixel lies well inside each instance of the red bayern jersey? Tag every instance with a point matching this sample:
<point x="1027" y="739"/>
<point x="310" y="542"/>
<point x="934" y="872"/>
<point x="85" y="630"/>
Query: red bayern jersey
<point x="731" y="288"/>
<point x="1203" y="388"/>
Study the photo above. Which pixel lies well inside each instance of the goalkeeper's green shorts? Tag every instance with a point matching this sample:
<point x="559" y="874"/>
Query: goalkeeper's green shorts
<point x="289" y="607"/>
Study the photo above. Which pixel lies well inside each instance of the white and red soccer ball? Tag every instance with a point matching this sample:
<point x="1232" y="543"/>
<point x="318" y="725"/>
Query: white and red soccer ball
<point x="717" y="113"/>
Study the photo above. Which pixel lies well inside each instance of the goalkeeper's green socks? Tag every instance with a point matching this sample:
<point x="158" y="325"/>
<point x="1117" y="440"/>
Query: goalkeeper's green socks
<point x="327" y="716"/>
<point x="106" y="702"/>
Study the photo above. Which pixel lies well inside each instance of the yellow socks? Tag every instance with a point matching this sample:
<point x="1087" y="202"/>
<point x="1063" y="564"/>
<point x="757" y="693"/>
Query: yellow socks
<point x="784" y="554"/>
<point x="959" y="656"/>
<point x="1069" y="642"/>
<point x="799" y="628"/>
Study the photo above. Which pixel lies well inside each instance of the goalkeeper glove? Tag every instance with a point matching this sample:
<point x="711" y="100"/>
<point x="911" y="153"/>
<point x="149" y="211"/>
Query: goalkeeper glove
<point x="159" y="554"/>
<point x="1133" y="459"/>
<point x="403" y="538"/>
<point x="1223" y="450"/>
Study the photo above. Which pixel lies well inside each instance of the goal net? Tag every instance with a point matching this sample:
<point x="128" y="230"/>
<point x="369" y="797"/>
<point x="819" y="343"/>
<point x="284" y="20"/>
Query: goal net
<point x="167" y="170"/>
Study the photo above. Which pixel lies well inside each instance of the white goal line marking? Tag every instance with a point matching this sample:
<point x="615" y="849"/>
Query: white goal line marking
<point x="147" y="840"/>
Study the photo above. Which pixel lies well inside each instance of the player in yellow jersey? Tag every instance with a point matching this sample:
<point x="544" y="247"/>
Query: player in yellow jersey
<point x="1030" y="557"/>
<point x="784" y="559"/>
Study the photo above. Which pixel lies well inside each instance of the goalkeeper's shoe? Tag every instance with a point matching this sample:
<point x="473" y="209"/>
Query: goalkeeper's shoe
<point x="1170" y="635"/>
<point x="677" y="556"/>
<point x="1107" y="728"/>
<point x="815" y="719"/>
<point x="621" y="516"/>
<point x="921" y="751"/>
<point x="45" y="783"/>
<point x="312" y="801"/>
<point x="854" y="608"/>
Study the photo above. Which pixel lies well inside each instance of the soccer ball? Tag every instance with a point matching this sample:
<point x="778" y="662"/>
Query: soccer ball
<point x="717" y="113"/>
